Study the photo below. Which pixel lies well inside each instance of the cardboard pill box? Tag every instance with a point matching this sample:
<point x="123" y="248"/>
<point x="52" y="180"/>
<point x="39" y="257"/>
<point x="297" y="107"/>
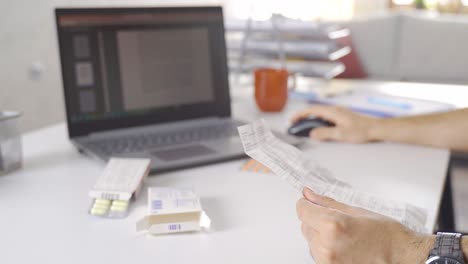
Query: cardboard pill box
<point x="173" y="211"/>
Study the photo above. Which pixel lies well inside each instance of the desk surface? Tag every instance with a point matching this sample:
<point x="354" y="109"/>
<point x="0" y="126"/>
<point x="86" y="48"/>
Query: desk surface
<point x="44" y="205"/>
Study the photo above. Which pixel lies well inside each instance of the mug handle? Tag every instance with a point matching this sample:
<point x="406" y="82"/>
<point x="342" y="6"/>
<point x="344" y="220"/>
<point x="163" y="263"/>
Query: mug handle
<point x="293" y="76"/>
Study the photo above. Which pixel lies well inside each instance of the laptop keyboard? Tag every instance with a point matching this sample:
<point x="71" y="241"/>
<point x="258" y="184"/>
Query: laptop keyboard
<point x="139" y="142"/>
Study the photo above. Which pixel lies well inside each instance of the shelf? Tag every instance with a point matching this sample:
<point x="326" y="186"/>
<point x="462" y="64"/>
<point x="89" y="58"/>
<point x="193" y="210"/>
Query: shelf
<point x="290" y="27"/>
<point x="326" y="70"/>
<point x="322" y="51"/>
<point x="303" y="48"/>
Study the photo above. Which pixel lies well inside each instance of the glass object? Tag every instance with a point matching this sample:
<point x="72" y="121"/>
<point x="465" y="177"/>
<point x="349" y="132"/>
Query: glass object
<point x="11" y="156"/>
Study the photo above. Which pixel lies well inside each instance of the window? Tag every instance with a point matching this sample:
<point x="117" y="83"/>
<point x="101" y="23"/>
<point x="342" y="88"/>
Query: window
<point x="453" y="6"/>
<point x="403" y="2"/>
<point x="299" y="9"/>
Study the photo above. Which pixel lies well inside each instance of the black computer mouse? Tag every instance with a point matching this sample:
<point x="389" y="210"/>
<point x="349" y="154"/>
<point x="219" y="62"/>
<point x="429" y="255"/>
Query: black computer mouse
<point x="303" y="127"/>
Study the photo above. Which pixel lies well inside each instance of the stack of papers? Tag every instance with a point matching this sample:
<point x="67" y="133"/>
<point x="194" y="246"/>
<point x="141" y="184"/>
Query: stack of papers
<point x="377" y="104"/>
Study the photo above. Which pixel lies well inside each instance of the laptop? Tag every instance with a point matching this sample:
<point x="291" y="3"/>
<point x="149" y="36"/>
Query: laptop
<point x="148" y="83"/>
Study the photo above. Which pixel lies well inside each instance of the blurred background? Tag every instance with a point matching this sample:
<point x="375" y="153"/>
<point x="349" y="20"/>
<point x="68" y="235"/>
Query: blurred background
<point x="399" y="40"/>
<point x="30" y="62"/>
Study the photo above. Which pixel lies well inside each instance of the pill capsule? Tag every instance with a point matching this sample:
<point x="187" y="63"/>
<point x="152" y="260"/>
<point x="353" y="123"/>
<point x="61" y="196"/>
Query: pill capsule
<point x="102" y="201"/>
<point x="104" y="206"/>
<point x="120" y="203"/>
<point x="118" y="208"/>
<point x="98" y="211"/>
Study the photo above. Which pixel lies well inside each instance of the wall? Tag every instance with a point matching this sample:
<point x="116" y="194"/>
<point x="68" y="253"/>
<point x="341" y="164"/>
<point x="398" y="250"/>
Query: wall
<point x="366" y="7"/>
<point x="24" y="40"/>
<point x="30" y="79"/>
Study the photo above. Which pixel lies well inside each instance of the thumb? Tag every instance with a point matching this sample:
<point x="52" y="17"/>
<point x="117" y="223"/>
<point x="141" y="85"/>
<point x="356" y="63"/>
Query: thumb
<point x="326" y="133"/>
<point x="331" y="203"/>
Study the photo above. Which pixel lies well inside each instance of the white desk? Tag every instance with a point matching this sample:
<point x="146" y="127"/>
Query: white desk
<point x="44" y="206"/>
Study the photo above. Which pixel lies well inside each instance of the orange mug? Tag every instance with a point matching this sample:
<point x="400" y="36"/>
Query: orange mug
<point x="271" y="89"/>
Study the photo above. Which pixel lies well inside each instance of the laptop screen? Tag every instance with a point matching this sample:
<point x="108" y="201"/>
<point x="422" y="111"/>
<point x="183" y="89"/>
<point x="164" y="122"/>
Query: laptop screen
<point x="125" y="67"/>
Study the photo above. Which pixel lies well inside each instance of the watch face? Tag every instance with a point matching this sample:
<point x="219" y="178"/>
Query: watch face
<point x="442" y="260"/>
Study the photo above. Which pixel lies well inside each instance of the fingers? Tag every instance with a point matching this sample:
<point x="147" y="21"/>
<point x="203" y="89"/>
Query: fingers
<point x="331" y="203"/>
<point x="324" y="228"/>
<point x="314" y="244"/>
<point x="326" y="133"/>
<point x="308" y="231"/>
<point x="314" y="215"/>
<point x="329" y="113"/>
<point x="312" y="238"/>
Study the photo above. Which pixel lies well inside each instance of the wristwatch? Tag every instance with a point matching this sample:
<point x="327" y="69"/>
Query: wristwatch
<point x="447" y="249"/>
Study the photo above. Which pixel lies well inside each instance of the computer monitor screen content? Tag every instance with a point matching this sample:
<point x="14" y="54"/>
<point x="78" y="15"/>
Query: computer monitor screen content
<point x="122" y="64"/>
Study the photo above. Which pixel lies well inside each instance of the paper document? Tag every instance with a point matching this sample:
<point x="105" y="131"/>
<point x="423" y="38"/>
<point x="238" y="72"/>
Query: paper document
<point x="291" y="164"/>
<point x="384" y="105"/>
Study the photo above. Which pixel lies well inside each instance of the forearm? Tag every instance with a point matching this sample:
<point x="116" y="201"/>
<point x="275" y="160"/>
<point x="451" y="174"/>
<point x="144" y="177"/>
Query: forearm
<point x="446" y="130"/>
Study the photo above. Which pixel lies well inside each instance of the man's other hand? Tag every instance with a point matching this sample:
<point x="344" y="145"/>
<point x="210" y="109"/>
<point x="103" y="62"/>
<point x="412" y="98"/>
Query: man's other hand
<point x="349" y="126"/>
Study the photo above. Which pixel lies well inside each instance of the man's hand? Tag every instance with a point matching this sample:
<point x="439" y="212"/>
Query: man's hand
<point x="349" y="126"/>
<point x="338" y="233"/>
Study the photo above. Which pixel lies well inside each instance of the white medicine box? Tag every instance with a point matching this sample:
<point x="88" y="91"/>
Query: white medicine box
<point x="173" y="211"/>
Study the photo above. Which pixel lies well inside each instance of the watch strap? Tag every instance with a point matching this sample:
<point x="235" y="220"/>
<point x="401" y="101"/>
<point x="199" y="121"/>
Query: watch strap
<point x="448" y="245"/>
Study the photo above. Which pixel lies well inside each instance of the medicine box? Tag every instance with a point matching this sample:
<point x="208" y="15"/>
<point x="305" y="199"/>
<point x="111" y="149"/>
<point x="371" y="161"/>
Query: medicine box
<point x="121" y="180"/>
<point x="173" y="211"/>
